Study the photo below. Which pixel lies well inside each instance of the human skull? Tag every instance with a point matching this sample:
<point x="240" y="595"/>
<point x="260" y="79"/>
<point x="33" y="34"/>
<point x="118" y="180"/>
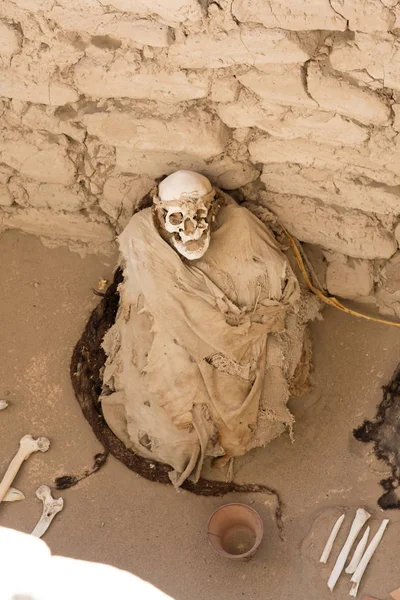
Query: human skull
<point x="183" y="206"/>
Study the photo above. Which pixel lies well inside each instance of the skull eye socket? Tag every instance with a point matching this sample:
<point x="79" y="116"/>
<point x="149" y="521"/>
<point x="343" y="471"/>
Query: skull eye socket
<point x="175" y="218"/>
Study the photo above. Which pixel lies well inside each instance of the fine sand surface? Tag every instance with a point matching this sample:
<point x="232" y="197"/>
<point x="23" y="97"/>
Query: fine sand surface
<point x="151" y="530"/>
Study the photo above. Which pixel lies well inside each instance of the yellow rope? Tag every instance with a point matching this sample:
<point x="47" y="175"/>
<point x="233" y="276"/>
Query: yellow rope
<point x="330" y="300"/>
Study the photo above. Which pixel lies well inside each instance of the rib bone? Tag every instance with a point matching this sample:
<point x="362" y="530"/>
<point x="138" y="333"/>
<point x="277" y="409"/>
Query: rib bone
<point x="358" y="552"/>
<point x="359" y="520"/>
<point x="27" y="446"/>
<point x="50" y="508"/>
<point x="329" y="544"/>
<point x="367" y="557"/>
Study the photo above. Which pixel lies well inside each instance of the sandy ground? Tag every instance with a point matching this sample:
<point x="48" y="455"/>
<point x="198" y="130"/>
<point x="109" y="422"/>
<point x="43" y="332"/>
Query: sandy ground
<point x="149" y="529"/>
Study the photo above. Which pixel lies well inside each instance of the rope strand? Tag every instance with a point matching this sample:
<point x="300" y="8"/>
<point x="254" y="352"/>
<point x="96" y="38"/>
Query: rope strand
<point x="321" y="295"/>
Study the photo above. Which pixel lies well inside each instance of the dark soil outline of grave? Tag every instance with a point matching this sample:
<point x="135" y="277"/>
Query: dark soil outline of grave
<point x="86" y="367"/>
<point x="384" y="433"/>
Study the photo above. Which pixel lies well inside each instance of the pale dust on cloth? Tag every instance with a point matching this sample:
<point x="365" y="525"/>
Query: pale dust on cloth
<point x="202" y="353"/>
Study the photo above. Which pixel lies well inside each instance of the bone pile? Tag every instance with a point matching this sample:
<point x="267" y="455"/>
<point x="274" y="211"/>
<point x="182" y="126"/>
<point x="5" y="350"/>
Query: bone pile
<point x="28" y="446"/>
<point x="361" y="555"/>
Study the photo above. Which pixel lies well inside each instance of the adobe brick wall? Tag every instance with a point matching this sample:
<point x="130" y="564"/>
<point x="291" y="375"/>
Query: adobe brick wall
<point x="297" y="102"/>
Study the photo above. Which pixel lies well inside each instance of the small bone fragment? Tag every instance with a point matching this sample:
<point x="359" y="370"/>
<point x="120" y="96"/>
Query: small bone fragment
<point x="13" y="495"/>
<point x="367" y="557"/>
<point x="395" y="594"/>
<point x="27" y="446"/>
<point x="329" y="544"/>
<point x="358" y="552"/>
<point x="3" y="404"/>
<point x="102" y="285"/>
<point x="359" y="520"/>
<point x="51" y="507"/>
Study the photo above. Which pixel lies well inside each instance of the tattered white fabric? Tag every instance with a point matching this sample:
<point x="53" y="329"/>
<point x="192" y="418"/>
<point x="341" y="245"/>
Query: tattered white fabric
<point x="202" y="353"/>
<point x="30" y="572"/>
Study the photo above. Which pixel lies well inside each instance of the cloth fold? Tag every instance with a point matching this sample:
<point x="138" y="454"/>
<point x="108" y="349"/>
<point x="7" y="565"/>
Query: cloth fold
<point x="198" y="360"/>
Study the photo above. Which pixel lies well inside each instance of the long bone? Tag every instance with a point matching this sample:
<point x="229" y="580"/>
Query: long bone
<point x="362" y="565"/>
<point x="329" y="544"/>
<point x="358" y="552"/>
<point x="359" y="520"/>
<point x="51" y="507"/>
<point x="27" y="446"/>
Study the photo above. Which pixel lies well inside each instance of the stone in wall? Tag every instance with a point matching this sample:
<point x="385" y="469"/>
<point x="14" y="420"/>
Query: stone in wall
<point x="156" y="164"/>
<point x="58" y="225"/>
<point x="348" y="232"/>
<point x="396" y="120"/>
<point x="195" y="133"/>
<point x="332" y="188"/>
<point x="247" y="45"/>
<point x="46" y="118"/>
<point x="290" y="14"/>
<point x="279" y="84"/>
<point x="35" y="73"/>
<point x="384" y="150"/>
<point x="6" y="198"/>
<point x="223" y="171"/>
<point x="365" y="15"/>
<point x="55" y="196"/>
<point x="38" y="158"/>
<point x="20" y="85"/>
<point x="10" y="42"/>
<point x="231" y="177"/>
<point x="225" y="89"/>
<point x="121" y="196"/>
<point x="337" y="94"/>
<point x="121" y="77"/>
<point x="246" y="111"/>
<point x="36" y="5"/>
<point x="175" y="11"/>
<point x="388" y="292"/>
<point x="363" y="51"/>
<point x="378" y="160"/>
<point x="317" y="126"/>
<point x="351" y="278"/>
<point x="123" y="27"/>
<point x="370" y="58"/>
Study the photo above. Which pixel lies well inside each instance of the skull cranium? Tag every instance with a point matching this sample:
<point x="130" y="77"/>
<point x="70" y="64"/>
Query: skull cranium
<point x="183" y="207"/>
